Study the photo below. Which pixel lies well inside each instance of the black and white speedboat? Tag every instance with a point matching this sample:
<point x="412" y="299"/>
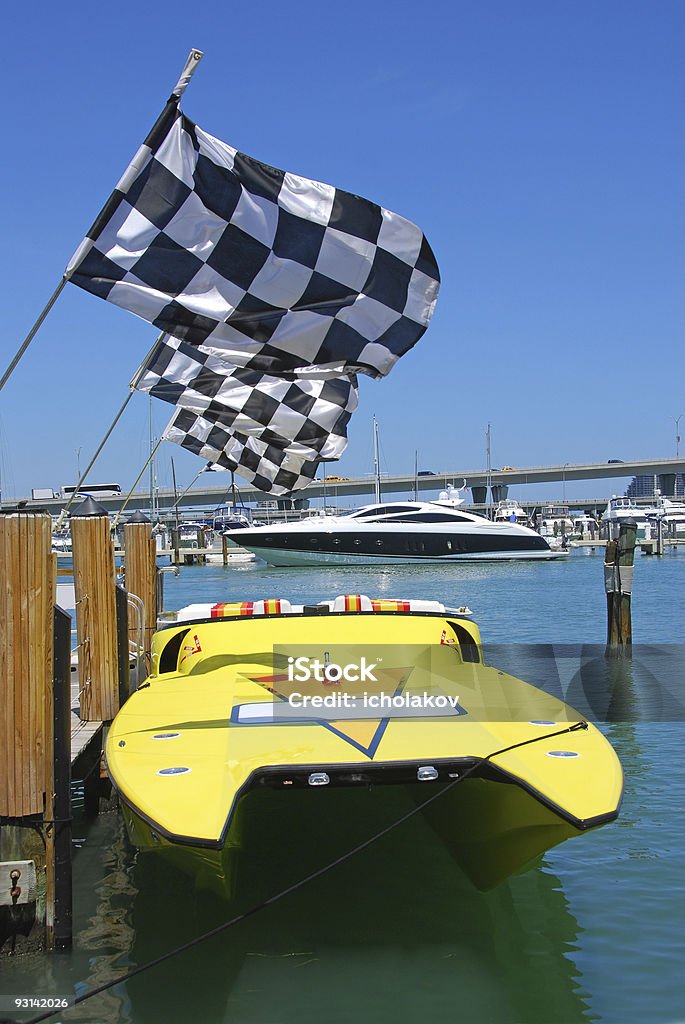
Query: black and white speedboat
<point x="393" y="532"/>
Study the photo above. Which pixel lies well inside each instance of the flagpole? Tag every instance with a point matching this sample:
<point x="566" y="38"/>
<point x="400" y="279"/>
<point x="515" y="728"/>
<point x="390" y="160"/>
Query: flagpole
<point x="154" y="137"/>
<point x="32" y="333"/>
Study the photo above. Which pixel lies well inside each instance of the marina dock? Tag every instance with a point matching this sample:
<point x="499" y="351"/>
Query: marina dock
<point x="647" y="547"/>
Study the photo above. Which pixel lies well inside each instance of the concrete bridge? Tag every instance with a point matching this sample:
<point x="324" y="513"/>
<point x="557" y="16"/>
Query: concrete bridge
<point x="215" y="487"/>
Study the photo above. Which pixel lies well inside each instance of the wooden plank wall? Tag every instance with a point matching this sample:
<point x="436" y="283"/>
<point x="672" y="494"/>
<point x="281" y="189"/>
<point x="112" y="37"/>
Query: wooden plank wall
<point x="96" y="622"/>
<point x="28" y="573"/>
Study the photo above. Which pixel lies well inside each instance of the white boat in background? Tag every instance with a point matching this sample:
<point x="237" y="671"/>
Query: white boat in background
<point x="195" y="535"/>
<point x="509" y="511"/>
<point x="585" y="527"/>
<point x="234" y="556"/>
<point x="390" y="533"/>
<point x="231" y="517"/>
<point x="621" y="508"/>
<point x="553" y="522"/>
<point x="61" y="541"/>
<point x="670" y="513"/>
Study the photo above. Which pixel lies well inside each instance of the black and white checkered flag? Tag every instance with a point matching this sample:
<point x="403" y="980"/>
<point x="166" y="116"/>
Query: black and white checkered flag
<point x="266" y="466"/>
<point x="270" y="270"/>
<point x="308" y="417"/>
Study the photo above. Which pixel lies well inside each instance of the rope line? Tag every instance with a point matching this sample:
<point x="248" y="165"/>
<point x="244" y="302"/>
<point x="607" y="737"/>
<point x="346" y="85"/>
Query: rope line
<point x="303" y="881"/>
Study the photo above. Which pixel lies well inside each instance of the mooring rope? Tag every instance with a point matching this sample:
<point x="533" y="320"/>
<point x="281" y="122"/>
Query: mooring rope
<point x="297" y="885"/>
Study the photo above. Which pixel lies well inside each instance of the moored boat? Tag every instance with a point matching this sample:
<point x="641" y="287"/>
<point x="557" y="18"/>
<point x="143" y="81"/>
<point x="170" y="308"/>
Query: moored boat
<point x="553" y="522"/>
<point x="324" y="708"/>
<point x="394" y="532"/>
<point x="509" y="511"/>
<point x="620" y="509"/>
<point x="670" y="513"/>
<point x="585" y="527"/>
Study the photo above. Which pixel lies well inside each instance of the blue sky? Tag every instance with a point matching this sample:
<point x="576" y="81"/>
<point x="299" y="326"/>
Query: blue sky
<point x="539" y="146"/>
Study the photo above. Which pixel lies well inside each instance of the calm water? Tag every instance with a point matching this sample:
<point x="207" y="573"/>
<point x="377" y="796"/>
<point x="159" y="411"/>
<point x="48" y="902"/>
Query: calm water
<point x="595" y="933"/>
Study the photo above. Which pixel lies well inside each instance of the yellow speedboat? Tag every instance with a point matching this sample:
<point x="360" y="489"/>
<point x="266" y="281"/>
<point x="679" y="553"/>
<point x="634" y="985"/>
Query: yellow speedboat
<point x="325" y="716"/>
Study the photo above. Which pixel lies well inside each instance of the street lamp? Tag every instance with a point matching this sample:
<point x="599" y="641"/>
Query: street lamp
<point x="677" y="435"/>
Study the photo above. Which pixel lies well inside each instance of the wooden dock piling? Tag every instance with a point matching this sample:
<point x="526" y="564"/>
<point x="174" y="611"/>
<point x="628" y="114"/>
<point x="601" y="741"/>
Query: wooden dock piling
<point x="618" y="583"/>
<point x="659" y="536"/>
<point x="27" y="597"/>
<point x="141" y="570"/>
<point x="94" y="583"/>
<point x="26" y="602"/>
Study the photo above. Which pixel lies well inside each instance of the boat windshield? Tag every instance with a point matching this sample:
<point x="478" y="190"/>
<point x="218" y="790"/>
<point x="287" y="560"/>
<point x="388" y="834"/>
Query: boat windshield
<point x="425" y="517"/>
<point x="379" y="510"/>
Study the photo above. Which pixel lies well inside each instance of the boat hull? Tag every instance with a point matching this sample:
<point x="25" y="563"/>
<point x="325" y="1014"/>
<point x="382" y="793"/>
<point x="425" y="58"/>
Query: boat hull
<point x="411" y="532"/>
<point x="490" y="829"/>
<point x="237" y="747"/>
<point x="282" y="557"/>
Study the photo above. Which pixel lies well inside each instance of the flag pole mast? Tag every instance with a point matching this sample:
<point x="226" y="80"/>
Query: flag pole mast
<point x="153" y="139"/>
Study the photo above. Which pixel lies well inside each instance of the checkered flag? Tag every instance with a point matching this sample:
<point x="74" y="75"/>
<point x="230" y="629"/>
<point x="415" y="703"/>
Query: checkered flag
<point x="266" y="466"/>
<point x="272" y="271"/>
<point x="307" y="417"/>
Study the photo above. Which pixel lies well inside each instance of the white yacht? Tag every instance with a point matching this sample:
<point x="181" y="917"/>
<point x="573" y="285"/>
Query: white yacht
<point x="509" y="511"/>
<point x="553" y="522"/>
<point x="618" y="510"/>
<point x="231" y="517"/>
<point x="671" y="513"/>
<point x="393" y="532"/>
<point x="585" y="527"/>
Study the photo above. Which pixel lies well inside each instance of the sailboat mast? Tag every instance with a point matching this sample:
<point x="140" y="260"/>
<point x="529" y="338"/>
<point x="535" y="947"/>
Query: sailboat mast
<point x="173" y="477"/>
<point x="152" y="468"/>
<point x="376" y="462"/>
<point x="488" y="477"/>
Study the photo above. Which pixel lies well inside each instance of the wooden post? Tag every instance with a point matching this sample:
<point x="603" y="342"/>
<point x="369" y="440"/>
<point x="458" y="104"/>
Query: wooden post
<point x="618" y="583"/>
<point x="201" y="544"/>
<point x="26" y="602"/>
<point x="27" y="596"/>
<point x="224" y="548"/>
<point x="175" y="543"/>
<point x="141" y="570"/>
<point x="96" y="619"/>
<point x="659" y="536"/>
